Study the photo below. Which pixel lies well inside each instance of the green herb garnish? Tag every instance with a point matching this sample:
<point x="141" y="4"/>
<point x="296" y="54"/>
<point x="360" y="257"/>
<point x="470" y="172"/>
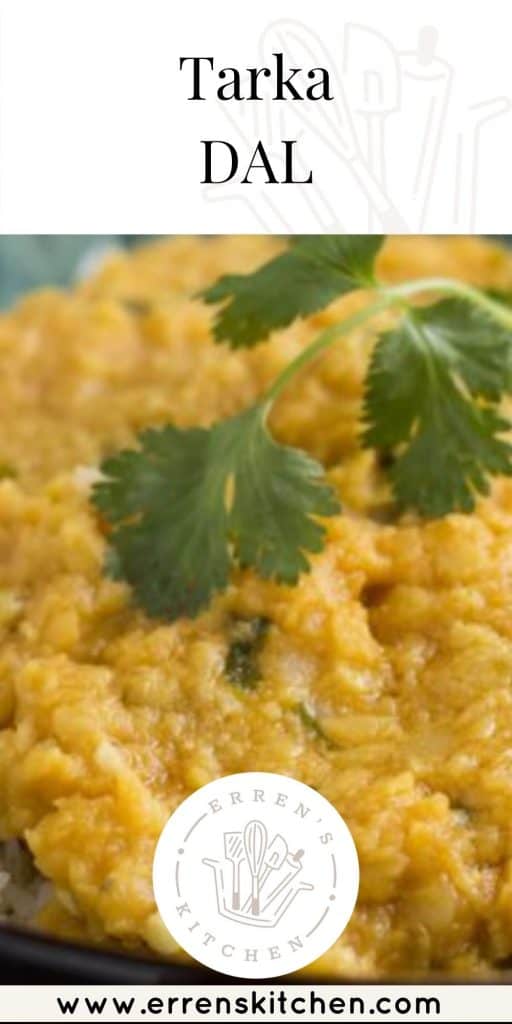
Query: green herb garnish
<point x="315" y="270"/>
<point x="424" y="384"/>
<point x="311" y="722"/>
<point x="187" y="505"/>
<point x="243" y="658"/>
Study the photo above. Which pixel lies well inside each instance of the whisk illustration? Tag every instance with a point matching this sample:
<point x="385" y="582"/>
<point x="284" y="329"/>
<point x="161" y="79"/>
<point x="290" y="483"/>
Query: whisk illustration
<point x="255" y="845"/>
<point x="257" y="880"/>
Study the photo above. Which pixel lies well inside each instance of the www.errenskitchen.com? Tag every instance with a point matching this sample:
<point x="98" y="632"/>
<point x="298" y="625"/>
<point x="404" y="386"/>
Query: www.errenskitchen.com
<point x="271" y="1005"/>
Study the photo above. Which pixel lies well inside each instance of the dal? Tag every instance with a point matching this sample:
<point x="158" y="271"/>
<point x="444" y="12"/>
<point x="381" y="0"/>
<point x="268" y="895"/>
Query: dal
<point x="399" y="642"/>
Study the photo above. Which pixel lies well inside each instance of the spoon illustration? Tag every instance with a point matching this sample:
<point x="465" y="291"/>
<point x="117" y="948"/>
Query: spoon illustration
<point x="294" y="863"/>
<point x="255" y="844"/>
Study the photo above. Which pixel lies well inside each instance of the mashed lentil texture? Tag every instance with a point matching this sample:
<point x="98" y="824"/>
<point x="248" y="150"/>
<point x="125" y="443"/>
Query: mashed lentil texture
<point x="399" y="641"/>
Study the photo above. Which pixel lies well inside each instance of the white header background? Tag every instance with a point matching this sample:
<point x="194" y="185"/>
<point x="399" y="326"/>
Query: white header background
<point x="97" y="135"/>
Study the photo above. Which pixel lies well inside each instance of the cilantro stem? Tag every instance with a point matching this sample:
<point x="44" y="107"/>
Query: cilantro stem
<point x="323" y="342"/>
<point x="448" y="286"/>
<point x="388" y="298"/>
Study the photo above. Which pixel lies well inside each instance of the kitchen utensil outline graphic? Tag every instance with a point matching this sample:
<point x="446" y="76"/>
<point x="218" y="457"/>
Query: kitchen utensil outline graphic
<point x="235" y="853"/>
<point x="467" y="156"/>
<point x="370" y="66"/>
<point x="423" y="68"/>
<point x="332" y="124"/>
<point x="409" y="123"/>
<point x="270" y="876"/>
<point x="298" y="874"/>
<point x="277" y="852"/>
<point x="255" y="845"/>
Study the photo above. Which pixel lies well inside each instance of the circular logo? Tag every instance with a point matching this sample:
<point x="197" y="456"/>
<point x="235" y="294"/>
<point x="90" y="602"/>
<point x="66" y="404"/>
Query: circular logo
<point x="255" y="875"/>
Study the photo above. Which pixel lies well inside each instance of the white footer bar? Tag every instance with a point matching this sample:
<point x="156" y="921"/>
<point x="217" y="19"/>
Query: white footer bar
<point x="256" y="1003"/>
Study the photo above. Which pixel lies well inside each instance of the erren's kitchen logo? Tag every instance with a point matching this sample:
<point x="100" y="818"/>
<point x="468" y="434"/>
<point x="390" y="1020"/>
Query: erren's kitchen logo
<point x="255" y="875"/>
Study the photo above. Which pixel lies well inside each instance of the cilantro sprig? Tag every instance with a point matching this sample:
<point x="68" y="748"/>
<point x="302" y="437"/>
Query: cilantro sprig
<point x="185" y="506"/>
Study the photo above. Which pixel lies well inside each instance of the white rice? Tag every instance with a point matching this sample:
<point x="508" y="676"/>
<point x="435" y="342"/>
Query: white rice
<point x="23" y="891"/>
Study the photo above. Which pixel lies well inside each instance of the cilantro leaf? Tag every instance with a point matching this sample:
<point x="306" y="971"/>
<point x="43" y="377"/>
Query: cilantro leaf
<point x="168" y="520"/>
<point x="503" y="295"/>
<point x="314" y="271"/>
<point x="431" y="391"/>
<point x="474" y="346"/>
<point x="451" y="456"/>
<point x="187" y="503"/>
<point x="277" y="491"/>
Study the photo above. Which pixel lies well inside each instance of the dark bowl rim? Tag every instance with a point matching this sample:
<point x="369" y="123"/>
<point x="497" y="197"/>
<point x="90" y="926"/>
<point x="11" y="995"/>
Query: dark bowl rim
<point x="26" y="948"/>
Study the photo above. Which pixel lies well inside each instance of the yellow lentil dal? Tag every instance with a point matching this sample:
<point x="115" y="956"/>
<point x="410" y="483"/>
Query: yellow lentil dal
<point x="399" y="640"/>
